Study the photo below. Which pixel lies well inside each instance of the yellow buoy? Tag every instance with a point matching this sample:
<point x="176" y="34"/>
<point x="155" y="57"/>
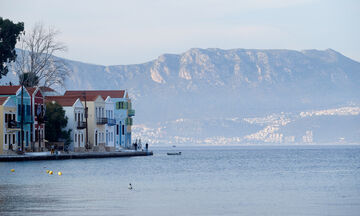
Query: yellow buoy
<point x="47" y="171"/>
<point x="12" y="170"/>
<point x="59" y="173"/>
<point x="51" y="172"/>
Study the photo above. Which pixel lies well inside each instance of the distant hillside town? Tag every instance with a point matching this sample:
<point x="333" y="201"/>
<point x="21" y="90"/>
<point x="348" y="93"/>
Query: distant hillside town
<point x="97" y="121"/>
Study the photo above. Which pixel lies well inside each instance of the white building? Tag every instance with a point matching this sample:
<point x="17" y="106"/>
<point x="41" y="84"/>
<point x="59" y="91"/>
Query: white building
<point x="75" y="112"/>
<point x="110" y="125"/>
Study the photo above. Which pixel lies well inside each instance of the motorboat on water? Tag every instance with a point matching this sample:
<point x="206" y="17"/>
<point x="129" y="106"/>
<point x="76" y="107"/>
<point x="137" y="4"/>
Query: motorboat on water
<point x="174" y="153"/>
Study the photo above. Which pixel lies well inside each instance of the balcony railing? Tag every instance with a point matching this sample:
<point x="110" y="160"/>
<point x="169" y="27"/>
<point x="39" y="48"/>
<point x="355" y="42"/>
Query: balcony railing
<point x="129" y="121"/>
<point x="13" y="124"/>
<point x="101" y="121"/>
<point x="111" y="122"/>
<point x="28" y="119"/>
<point x="131" y="112"/>
<point x="40" y="119"/>
<point x="81" y="125"/>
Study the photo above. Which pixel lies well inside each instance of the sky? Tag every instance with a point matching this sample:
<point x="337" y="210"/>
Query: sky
<point x="114" y="32"/>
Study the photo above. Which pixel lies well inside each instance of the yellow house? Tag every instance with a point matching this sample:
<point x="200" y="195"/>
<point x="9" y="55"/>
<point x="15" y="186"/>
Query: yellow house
<point x="9" y="126"/>
<point x="96" y="121"/>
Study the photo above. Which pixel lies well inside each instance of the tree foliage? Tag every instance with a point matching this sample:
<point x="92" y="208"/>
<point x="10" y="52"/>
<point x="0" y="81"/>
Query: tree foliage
<point x="56" y="121"/>
<point x="9" y="34"/>
<point x="36" y="56"/>
<point x="28" y="79"/>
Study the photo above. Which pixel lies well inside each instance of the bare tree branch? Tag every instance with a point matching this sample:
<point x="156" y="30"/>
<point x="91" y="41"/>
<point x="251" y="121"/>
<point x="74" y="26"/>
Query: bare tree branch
<point x="37" y="50"/>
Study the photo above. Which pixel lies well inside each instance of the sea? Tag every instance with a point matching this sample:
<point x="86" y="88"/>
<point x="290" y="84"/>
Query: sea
<point x="242" y="180"/>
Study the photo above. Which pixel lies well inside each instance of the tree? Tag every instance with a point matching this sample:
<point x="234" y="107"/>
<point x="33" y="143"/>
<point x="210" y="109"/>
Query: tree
<point x="36" y="57"/>
<point x="56" y="121"/>
<point x="28" y="79"/>
<point x="9" y="34"/>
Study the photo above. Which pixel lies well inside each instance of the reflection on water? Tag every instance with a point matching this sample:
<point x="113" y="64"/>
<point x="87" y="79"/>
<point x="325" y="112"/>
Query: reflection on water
<point x="202" y="181"/>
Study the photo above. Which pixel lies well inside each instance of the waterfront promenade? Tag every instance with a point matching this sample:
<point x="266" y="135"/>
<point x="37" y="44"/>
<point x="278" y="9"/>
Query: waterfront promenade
<point x="72" y="155"/>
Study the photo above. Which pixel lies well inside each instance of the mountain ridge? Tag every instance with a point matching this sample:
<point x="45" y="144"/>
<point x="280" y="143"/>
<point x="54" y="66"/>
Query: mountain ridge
<point x="201" y="84"/>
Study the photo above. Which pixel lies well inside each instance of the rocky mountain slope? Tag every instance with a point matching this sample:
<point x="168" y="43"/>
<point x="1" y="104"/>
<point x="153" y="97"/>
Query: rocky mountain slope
<point x="198" y="91"/>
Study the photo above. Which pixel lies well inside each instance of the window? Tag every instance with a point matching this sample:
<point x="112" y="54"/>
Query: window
<point x="75" y="116"/>
<point x="36" y="135"/>
<point x="123" y="130"/>
<point x="27" y="138"/>
<point x="28" y="110"/>
<point x="6" y="138"/>
<point x="82" y="137"/>
<point x="117" y="129"/>
<point x="75" y="137"/>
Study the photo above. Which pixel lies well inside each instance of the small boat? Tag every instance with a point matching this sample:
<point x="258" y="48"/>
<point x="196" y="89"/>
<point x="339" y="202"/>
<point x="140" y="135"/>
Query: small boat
<point x="174" y="153"/>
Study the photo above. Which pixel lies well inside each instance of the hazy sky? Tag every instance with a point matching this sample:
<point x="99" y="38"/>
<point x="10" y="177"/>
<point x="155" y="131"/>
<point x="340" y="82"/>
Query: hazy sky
<point x="135" y="31"/>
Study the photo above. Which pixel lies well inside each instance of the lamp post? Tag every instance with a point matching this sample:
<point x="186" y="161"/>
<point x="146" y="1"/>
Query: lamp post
<point x="86" y="122"/>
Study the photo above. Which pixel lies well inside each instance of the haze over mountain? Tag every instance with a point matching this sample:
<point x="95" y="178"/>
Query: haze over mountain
<point x="201" y="89"/>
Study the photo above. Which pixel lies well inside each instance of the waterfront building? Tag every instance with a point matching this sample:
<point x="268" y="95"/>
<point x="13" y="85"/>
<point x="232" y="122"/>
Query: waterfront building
<point x="96" y="121"/>
<point x="15" y="93"/>
<point x="123" y="113"/>
<point x="75" y="113"/>
<point x="110" y="125"/>
<point x="9" y="126"/>
<point x="37" y="128"/>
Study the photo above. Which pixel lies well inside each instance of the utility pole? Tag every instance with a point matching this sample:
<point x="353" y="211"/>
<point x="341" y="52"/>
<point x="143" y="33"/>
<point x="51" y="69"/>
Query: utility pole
<point x="22" y="118"/>
<point x="86" y="122"/>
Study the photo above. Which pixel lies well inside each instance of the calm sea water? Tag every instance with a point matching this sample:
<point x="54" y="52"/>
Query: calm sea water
<point x="202" y="181"/>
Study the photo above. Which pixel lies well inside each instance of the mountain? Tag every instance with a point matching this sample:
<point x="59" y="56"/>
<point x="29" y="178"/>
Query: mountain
<point x="191" y="96"/>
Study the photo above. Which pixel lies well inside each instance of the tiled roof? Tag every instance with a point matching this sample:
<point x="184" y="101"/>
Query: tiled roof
<point x="31" y="90"/>
<point x="62" y="100"/>
<point x="2" y="100"/>
<point x="9" y="90"/>
<point x="46" y="89"/>
<point x="103" y="93"/>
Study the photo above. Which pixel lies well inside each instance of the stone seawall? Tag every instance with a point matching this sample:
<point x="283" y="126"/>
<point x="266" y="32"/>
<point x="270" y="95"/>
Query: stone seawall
<point x="63" y="156"/>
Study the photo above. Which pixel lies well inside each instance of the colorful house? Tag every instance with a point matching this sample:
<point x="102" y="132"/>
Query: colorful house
<point x="110" y="125"/>
<point x="37" y="135"/>
<point x="9" y="127"/>
<point x="75" y="113"/>
<point x="123" y="113"/>
<point x="15" y="93"/>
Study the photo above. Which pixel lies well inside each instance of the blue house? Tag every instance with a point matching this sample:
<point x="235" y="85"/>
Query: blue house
<point x="14" y="92"/>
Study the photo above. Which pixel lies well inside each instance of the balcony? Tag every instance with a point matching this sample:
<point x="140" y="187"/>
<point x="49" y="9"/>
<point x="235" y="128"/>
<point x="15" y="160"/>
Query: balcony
<point x="81" y="125"/>
<point x="13" y="124"/>
<point x="129" y="121"/>
<point x="40" y="119"/>
<point x="101" y="121"/>
<point x="27" y="120"/>
<point x="111" y="122"/>
<point x="131" y="112"/>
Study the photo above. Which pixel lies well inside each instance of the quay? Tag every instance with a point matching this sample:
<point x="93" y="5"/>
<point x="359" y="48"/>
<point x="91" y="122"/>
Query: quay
<point x="64" y="156"/>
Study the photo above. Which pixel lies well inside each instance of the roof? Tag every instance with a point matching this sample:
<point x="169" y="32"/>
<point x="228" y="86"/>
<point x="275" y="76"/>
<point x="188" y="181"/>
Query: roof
<point x="103" y="93"/>
<point x="9" y="90"/>
<point x="46" y="89"/>
<point x="2" y="100"/>
<point x="62" y="100"/>
<point x="31" y="90"/>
